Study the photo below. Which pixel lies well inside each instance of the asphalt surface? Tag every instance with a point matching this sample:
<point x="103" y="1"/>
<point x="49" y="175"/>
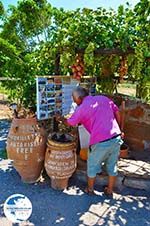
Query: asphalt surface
<point x="72" y="207"/>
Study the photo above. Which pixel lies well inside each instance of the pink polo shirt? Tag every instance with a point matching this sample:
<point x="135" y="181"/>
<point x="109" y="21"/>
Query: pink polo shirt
<point x="96" y="113"/>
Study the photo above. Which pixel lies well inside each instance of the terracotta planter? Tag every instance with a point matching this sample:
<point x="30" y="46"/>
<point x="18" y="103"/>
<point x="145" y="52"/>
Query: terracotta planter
<point x="84" y="154"/>
<point x="59" y="184"/>
<point x="26" y="145"/>
<point x="124" y="151"/>
<point x="60" y="162"/>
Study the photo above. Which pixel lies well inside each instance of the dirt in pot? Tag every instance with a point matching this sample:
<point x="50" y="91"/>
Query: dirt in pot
<point x="62" y="138"/>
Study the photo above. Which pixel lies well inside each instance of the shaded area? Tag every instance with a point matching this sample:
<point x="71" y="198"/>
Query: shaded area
<point x="73" y="207"/>
<point x="4" y="128"/>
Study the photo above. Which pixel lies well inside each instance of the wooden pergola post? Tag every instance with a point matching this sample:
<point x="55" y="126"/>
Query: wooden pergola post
<point x="57" y="64"/>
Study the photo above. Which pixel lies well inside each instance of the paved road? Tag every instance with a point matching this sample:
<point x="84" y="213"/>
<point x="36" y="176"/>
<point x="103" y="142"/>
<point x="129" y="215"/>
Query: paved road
<point x="73" y="207"/>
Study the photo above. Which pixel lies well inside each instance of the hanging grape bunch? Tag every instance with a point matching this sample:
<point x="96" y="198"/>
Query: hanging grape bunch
<point x="78" y="67"/>
<point x="123" y="69"/>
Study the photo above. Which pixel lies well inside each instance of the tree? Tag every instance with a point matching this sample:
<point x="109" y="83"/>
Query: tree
<point x="36" y="38"/>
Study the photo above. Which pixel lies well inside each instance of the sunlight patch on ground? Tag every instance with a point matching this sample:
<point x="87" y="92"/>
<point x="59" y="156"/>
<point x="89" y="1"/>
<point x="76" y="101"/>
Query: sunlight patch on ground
<point x="73" y="191"/>
<point x="5" y="164"/>
<point x="89" y="218"/>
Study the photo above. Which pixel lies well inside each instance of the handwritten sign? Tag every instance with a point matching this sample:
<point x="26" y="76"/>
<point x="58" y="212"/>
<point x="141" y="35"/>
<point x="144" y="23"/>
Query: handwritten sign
<point x="60" y="164"/>
<point x="25" y="144"/>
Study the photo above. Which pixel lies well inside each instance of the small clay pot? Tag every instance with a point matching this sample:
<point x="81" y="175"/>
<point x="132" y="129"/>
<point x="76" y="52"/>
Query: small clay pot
<point x="84" y="154"/>
<point x="124" y="151"/>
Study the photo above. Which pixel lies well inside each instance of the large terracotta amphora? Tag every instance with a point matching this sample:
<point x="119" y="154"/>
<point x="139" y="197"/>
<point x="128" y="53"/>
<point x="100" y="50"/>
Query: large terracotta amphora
<point x="26" y="146"/>
<point x="60" y="159"/>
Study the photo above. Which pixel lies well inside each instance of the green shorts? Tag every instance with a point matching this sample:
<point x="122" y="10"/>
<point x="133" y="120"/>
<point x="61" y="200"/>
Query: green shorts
<point x="104" y="152"/>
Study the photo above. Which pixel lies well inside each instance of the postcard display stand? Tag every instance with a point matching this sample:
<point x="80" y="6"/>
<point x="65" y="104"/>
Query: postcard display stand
<point x="54" y="94"/>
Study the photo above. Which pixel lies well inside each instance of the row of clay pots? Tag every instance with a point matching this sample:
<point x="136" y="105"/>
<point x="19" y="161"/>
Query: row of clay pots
<point x="26" y="146"/>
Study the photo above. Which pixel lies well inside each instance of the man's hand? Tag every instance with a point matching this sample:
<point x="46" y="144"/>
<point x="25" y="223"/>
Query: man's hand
<point x="59" y="118"/>
<point x="122" y="135"/>
<point x="67" y="116"/>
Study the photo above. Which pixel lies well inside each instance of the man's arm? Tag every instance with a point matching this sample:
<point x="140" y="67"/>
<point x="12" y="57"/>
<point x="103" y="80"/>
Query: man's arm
<point x="118" y="118"/>
<point x="120" y="122"/>
<point x="73" y="119"/>
<point x="60" y="118"/>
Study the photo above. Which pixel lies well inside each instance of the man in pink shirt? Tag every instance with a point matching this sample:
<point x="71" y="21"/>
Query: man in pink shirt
<point x="101" y="117"/>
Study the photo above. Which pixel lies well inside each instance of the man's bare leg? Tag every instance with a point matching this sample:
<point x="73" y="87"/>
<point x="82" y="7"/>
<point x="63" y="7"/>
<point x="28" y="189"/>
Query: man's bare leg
<point x="90" y="187"/>
<point x="111" y="184"/>
<point x="91" y="182"/>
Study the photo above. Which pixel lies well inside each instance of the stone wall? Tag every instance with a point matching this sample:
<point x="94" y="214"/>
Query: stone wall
<point x="136" y="122"/>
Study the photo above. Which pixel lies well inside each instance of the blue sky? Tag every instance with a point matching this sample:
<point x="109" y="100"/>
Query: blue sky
<point x="73" y="4"/>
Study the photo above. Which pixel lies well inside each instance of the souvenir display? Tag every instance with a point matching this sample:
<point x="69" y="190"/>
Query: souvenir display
<point x="54" y="94"/>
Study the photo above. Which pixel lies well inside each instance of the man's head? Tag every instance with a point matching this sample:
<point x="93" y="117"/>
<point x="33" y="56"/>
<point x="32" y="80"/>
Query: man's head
<point x="78" y="94"/>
